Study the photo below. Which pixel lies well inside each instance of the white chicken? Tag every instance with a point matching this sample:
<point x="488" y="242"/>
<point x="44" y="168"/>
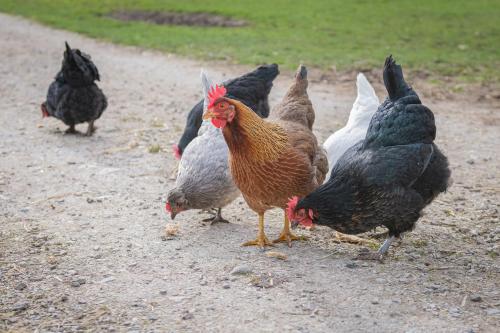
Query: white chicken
<point x="362" y="111"/>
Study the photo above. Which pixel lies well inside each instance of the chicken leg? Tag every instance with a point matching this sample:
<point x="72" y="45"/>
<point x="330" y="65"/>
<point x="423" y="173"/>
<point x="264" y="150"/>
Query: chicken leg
<point x="261" y="240"/>
<point x="71" y="130"/>
<point x="379" y="255"/>
<point x="286" y="235"/>
<point x="90" y="128"/>
<point x="217" y="218"/>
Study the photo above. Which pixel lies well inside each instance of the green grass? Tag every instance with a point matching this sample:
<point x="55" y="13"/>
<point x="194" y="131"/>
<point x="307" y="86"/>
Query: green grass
<point x="460" y="38"/>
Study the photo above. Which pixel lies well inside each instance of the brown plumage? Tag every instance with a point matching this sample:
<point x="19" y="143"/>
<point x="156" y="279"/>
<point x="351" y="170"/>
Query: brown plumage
<point x="271" y="161"/>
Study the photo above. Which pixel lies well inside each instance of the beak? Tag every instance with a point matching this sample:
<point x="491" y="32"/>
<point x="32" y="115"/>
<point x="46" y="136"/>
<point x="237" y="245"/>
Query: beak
<point x="173" y="214"/>
<point x="294" y="224"/>
<point x="208" y="115"/>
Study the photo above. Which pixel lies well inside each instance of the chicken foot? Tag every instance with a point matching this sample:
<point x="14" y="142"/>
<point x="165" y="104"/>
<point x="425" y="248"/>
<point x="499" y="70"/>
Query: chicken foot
<point x="286" y="235"/>
<point x="261" y="240"/>
<point x="217" y="218"/>
<point x="379" y="255"/>
<point x="71" y="130"/>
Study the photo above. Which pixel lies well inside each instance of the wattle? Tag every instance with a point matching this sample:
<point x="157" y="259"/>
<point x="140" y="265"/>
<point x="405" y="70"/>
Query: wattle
<point x="219" y="123"/>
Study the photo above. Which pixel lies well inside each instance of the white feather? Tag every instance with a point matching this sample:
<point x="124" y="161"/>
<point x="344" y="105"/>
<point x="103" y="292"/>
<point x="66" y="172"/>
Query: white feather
<point x="362" y="111"/>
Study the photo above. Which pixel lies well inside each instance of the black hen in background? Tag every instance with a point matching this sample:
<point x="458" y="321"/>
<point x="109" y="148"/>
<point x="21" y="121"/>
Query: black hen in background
<point x="73" y="97"/>
<point x="389" y="177"/>
<point x="252" y="89"/>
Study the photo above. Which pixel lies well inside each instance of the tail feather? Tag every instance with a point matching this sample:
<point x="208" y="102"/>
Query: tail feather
<point x="301" y="73"/>
<point x="296" y="105"/>
<point x="267" y="72"/>
<point x="206" y="83"/>
<point x="393" y="79"/>
<point x="299" y="87"/>
<point x="366" y="93"/>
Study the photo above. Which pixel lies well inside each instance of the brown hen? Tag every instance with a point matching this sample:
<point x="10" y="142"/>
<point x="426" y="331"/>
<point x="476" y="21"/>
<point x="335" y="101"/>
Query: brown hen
<point x="271" y="161"/>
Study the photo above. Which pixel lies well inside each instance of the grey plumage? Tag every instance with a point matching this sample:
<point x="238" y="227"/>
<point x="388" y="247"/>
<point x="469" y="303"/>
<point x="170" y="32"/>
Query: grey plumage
<point x="204" y="180"/>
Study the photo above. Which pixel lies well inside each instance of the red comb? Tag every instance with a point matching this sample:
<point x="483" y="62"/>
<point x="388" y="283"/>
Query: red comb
<point x="177" y="152"/>
<point x="168" y="207"/>
<point x="214" y="94"/>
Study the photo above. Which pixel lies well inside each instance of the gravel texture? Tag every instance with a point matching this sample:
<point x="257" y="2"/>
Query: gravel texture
<point x="83" y="245"/>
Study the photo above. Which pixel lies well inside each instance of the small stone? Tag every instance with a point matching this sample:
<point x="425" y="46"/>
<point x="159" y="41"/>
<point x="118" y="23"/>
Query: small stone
<point x="470" y="161"/>
<point x="78" y="282"/>
<point x="108" y="279"/>
<point x="64" y="298"/>
<point x="455" y="312"/>
<point x="20" y="286"/>
<point x="163" y="292"/>
<point x="493" y="312"/>
<point x="241" y="270"/>
<point x="153" y="317"/>
<point x="476" y="298"/>
<point x="187" y="316"/>
<point x="20" y="307"/>
<point x="90" y="200"/>
<point x="226" y="286"/>
<point x="351" y="265"/>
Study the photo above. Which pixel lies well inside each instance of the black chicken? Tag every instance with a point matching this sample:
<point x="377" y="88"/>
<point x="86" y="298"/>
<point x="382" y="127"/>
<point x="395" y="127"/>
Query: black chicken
<point x="386" y="179"/>
<point x="73" y="97"/>
<point x="252" y="89"/>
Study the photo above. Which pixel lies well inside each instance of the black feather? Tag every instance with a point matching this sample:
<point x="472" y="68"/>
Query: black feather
<point x="73" y="96"/>
<point x="390" y="176"/>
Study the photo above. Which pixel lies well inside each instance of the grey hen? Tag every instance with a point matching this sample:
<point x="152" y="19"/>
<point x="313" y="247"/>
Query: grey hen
<point x="203" y="180"/>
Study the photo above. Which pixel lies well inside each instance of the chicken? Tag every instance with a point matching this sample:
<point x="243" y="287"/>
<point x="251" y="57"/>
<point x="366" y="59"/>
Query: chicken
<point x="252" y="89"/>
<point x="355" y="130"/>
<point x="271" y="161"/>
<point x="203" y="179"/>
<point x="74" y="97"/>
<point x="386" y="179"/>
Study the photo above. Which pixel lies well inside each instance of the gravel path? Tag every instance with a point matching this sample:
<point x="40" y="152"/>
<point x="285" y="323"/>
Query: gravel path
<point x="83" y="244"/>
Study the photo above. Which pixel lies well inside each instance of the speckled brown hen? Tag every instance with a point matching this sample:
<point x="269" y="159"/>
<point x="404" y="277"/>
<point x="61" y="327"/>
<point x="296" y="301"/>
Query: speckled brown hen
<point x="271" y="161"/>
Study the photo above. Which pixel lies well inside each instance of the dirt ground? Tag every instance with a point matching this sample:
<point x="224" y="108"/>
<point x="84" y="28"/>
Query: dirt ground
<point x="82" y="237"/>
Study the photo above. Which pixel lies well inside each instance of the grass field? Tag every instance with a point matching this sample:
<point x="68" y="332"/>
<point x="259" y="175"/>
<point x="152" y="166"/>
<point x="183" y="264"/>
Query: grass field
<point x="460" y="38"/>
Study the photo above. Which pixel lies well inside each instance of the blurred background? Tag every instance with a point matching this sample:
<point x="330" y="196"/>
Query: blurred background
<point x="453" y="38"/>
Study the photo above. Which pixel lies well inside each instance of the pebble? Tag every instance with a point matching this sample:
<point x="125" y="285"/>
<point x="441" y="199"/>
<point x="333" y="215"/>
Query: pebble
<point x="455" y="312"/>
<point x="20" y="286"/>
<point x="241" y="270"/>
<point x="163" y="292"/>
<point x="78" y="282"/>
<point x="187" y="316"/>
<point x="226" y="286"/>
<point x="476" y="298"/>
<point x="20" y="307"/>
<point x="351" y="265"/>
<point x="108" y="279"/>
<point x="493" y="312"/>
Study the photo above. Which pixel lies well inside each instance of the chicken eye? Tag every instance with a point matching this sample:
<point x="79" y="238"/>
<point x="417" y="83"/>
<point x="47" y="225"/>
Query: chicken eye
<point x="222" y="105"/>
